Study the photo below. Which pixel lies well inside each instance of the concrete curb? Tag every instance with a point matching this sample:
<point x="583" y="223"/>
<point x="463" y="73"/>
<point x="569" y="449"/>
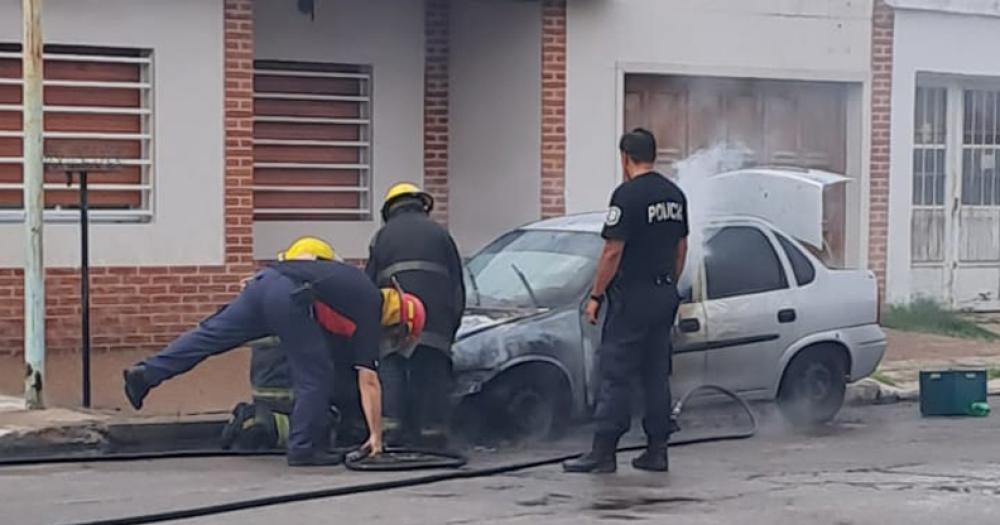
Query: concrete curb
<point x="113" y="436"/>
<point x="66" y="439"/>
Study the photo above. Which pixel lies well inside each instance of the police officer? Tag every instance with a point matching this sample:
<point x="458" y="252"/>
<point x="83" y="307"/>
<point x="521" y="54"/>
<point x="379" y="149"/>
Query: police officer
<point x="645" y="246"/>
<point x="422" y="256"/>
<point x="317" y="307"/>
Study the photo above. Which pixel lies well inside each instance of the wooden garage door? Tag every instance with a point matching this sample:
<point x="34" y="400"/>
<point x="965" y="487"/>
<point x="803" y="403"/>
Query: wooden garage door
<point x="779" y="123"/>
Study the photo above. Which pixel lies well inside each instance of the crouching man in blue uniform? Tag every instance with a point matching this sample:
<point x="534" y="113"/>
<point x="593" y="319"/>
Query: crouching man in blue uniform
<point x="317" y="307"/>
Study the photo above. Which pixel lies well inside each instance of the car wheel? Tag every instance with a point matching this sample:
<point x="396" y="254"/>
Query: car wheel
<point x="813" y="386"/>
<point x="532" y="403"/>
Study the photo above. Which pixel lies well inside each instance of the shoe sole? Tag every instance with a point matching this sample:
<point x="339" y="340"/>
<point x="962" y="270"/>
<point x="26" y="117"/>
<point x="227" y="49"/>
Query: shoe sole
<point x="603" y="470"/>
<point x="648" y="468"/>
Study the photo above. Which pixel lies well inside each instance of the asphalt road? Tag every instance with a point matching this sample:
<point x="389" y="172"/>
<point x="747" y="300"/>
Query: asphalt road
<point x="880" y="465"/>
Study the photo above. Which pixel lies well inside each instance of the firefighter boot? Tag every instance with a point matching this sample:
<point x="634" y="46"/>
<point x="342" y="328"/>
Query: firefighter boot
<point x="313" y="458"/>
<point x="319" y="455"/>
<point x="654" y="459"/>
<point x="600" y="460"/>
<point x="434" y="438"/>
<point x="136" y="385"/>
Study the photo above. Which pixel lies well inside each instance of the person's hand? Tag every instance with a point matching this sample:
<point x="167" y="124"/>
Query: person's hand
<point x="592" y="310"/>
<point x="373" y="446"/>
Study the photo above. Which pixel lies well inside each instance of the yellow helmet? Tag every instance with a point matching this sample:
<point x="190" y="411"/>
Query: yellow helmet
<point x="405" y="189"/>
<point x="313" y="246"/>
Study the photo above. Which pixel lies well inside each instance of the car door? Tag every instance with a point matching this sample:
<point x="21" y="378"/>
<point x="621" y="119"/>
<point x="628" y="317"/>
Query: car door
<point x="689" y="336"/>
<point x="749" y="307"/>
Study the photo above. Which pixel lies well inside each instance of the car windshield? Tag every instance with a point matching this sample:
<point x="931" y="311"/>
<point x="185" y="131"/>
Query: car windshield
<point x="533" y="269"/>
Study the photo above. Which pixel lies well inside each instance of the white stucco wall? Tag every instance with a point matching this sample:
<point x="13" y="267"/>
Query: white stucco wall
<point x="808" y="40"/>
<point x="936" y="43"/>
<point x="388" y="35"/>
<point x="187" y="42"/>
<point x="495" y="137"/>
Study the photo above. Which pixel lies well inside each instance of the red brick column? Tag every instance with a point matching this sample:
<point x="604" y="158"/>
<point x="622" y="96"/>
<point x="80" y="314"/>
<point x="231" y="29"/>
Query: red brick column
<point x="239" y="134"/>
<point x="878" y="227"/>
<point x="553" y="197"/>
<point x="144" y="307"/>
<point x="436" y="49"/>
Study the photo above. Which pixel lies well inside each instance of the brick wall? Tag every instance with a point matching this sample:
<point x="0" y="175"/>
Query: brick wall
<point x="882" y="31"/>
<point x="145" y="307"/>
<point x="553" y="108"/>
<point x="436" y="48"/>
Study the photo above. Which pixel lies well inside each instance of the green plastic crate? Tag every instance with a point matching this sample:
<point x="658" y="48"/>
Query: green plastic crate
<point x="951" y="392"/>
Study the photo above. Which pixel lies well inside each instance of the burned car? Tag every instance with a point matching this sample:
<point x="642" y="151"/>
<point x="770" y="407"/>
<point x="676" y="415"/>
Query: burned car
<point x="761" y="314"/>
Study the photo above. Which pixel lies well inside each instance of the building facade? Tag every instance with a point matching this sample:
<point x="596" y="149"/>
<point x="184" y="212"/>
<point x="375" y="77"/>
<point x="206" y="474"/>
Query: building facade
<point x="241" y="124"/>
<point x="945" y="170"/>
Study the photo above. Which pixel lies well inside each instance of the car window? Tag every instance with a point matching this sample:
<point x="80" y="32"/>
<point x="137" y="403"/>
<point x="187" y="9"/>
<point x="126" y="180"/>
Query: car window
<point x="555" y="266"/>
<point x="740" y="260"/>
<point x="804" y="270"/>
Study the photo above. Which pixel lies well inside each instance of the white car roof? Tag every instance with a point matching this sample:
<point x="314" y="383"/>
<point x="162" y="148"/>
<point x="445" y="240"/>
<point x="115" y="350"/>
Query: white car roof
<point x="593" y="222"/>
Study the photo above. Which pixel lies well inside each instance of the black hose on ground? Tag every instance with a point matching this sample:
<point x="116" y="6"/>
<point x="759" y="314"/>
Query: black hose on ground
<point x="405" y="459"/>
<point x="294" y="497"/>
<point x="134" y="456"/>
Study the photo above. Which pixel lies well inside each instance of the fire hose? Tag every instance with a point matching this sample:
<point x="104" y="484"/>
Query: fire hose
<point x="363" y="463"/>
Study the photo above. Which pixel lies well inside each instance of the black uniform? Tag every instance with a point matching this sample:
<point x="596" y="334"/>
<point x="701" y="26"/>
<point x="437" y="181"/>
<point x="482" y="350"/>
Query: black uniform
<point x="648" y="213"/>
<point x="422" y="256"/>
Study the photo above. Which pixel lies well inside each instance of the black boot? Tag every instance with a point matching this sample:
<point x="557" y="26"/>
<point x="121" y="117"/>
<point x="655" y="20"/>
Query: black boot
<point x="600" y="460"/>
<point x="136" y="385"/>
<point x="313" y="458"/>
<point x="654" y="459"/>
<point x="434" y="438"/>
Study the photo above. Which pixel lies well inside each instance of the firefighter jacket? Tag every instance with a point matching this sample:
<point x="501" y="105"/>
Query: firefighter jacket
<point x="423" y="257"/>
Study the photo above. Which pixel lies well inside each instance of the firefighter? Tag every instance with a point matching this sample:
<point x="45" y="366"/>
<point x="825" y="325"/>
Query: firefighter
<point x="317" y="307"/>
<point x="422" y="255"/>
<point x="644" y="252"/>
<point x="263" y="424"/>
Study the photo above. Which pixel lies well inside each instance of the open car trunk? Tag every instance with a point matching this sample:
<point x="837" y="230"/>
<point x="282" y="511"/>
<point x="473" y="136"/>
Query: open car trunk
<point x="791" y="199"/>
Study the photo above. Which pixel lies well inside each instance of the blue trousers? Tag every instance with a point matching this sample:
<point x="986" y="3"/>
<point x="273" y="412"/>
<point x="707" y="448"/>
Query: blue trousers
<point x="265" y="308"/>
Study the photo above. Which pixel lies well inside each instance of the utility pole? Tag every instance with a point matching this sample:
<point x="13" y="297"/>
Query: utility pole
<point x="34" y="204"/>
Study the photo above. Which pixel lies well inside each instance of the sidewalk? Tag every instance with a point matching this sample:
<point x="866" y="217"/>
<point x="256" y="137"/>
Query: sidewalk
<point x="909" y="353"/>
<point x="55" y="428"/>
<point x="60" y="430"/>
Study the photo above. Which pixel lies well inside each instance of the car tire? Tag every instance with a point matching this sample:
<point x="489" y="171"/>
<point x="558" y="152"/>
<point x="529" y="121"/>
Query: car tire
<point x="813" y="386"/>
<point x="532" y="403"/>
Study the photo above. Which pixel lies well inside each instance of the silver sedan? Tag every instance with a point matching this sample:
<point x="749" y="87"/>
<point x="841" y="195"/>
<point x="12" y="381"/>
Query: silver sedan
<point x="761" y="316"/>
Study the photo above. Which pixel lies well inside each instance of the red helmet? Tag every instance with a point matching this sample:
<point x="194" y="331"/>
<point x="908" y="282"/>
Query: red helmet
<point x="413" y="317"/>
<point x="403" y="311"/>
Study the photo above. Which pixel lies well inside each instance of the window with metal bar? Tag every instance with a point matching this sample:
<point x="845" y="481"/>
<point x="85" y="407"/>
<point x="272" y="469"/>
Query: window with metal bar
<point x="98" y="108"/>
<point x="312" y="141"/>
<point x="930" y="145"/>
<point x="981" y="148"/>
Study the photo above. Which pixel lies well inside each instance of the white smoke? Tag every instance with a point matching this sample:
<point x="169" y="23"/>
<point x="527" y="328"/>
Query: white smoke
<point x="693" y="175"/>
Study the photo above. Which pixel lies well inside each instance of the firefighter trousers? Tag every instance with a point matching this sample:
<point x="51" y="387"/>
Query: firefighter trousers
<point x="415" y="394"/>
<point x="266" y="307"/>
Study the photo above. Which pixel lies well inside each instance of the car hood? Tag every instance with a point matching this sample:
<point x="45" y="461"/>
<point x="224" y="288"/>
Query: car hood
<point x="791" y="200"/>
<point x="479" y="319"/>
